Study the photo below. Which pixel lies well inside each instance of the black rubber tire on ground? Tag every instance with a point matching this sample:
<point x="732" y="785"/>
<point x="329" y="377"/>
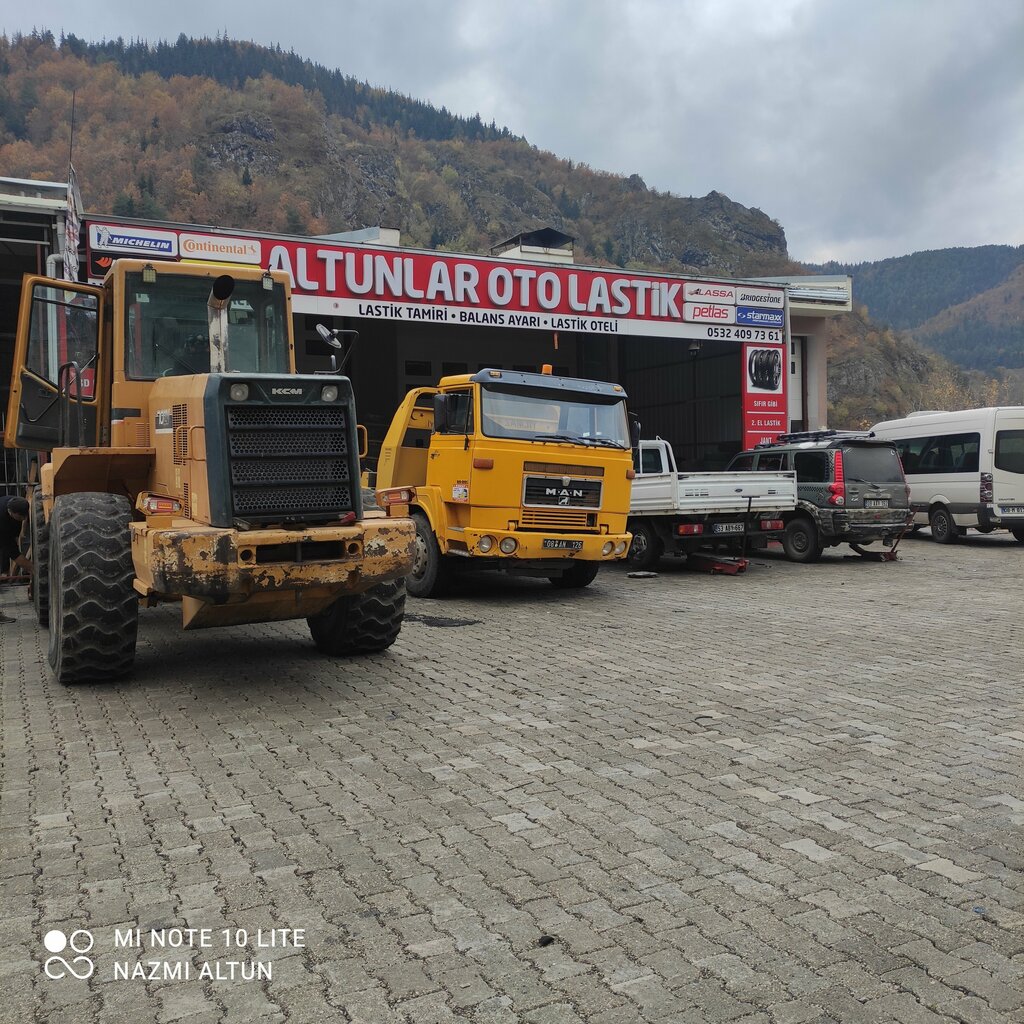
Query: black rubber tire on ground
<point x="800" y="540"/>
<point x="1018" y="534"/>
<point x="646" y="548"/>
<point x="944" y="530"/>
<point x="39" y="532"/>
<point x="364" y="623"/>
<point x="577" y="576"/>
<point x="94" y="609"/>
<point x="431" y="571"/>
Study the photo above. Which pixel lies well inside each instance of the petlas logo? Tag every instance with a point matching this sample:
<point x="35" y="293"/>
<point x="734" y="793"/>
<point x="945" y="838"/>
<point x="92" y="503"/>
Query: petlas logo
<point x="759" y="317"/>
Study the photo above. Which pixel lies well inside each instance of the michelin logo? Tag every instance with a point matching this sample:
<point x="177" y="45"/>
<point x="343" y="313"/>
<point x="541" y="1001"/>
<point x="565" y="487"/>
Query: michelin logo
<point x="133" y="240"/>
<point x="759" y="317"/>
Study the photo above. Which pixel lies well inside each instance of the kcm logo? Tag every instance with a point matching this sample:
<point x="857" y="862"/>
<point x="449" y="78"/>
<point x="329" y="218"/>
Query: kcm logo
<point x="56" y="942"/>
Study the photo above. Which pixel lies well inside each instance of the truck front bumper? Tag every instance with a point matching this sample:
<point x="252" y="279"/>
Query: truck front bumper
<point x="184" y="559"/>
<point x="585" y="547"/>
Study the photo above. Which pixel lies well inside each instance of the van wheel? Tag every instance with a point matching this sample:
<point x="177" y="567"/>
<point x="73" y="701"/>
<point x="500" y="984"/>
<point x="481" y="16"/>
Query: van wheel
<point x="364" y="623"/>
<point x="1018" y="534"/>
<point x="944" y="530"/>
<point x="646" y="548"/>
<point x="577" y="576"/>
<point x="39" y="532"/>
<point x="94" y="609"/>
<point x="431" y="574"/>
<point x="800" y="541"/>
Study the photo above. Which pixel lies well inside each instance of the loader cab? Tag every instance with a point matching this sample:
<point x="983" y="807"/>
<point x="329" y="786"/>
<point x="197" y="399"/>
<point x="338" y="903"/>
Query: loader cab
<point x="86" y="357"/>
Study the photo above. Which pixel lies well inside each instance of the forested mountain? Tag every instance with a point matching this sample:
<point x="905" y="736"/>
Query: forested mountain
<point x="965" y="303"/>
<point x="217" y="131"/>
<point x="229" y="133"/>
<point x="984" y="333"/>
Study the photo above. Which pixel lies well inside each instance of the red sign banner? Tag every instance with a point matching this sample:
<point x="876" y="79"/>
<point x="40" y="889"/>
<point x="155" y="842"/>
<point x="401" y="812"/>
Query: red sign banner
<point x="765" y="410"/>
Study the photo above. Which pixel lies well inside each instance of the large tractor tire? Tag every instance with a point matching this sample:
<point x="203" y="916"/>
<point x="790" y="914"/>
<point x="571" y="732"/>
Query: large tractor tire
<point x="39" y="532"/>
<point x="577" y="576"/>
<point x="361" y="623"/>
<point x="431" y="571"/>
<point x="94" y="609"/>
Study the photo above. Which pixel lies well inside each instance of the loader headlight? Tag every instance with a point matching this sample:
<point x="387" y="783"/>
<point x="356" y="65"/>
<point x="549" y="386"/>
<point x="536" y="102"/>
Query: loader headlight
<point x="329" y="393"/>
<point x="239" y="392"/>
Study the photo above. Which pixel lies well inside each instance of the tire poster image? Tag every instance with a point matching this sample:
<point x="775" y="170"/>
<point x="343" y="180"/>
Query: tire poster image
<point x="764" y="393"/>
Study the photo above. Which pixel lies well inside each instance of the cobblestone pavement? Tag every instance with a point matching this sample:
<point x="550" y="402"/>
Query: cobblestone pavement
<point x="795" y="795"/>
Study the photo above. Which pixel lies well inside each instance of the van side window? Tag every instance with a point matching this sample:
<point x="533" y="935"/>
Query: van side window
<point x="771" y="460"/>
<point x="951" y="453"/>
<point x="1010" y="451"/>
<point x="910" y="452"/>
<point x="812" y="467"/>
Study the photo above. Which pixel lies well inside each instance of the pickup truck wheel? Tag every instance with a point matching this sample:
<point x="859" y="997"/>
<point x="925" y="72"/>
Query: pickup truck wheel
<point x="577" y="576"/>
<point x="944" y="530"/>
<point x="364" y="623"/>
<point x="1018" y="534"/>
<point x="646" y="548"/>
<point x="94" y="609"/>
<point x="800" y="541"/>
<point x="431" y="573"/>
<point x="39" y="532"/>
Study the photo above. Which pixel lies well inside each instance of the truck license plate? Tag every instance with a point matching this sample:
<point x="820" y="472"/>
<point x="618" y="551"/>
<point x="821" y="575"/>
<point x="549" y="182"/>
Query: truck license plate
<point x="726" y="527"/>
<point x="876" y="502"/>
<point x="1011" y="510"/>
<point x="562" y="545"/>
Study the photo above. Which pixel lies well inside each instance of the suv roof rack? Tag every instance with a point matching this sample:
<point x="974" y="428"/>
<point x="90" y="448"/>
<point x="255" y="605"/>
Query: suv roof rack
<point x="818" y="435"/>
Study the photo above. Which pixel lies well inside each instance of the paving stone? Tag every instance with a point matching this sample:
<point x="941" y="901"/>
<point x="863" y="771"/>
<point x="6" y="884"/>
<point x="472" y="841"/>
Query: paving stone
<point x="704" y="799"/>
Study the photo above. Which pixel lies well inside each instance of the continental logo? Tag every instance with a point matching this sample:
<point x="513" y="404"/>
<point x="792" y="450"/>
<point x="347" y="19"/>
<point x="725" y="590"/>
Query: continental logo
<point x="213" y="247"/>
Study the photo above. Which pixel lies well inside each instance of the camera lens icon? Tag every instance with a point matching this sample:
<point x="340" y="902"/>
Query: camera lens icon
<point x="80" y="942"/>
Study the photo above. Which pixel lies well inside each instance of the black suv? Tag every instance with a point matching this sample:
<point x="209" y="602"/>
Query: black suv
<point x="850" y="486"/>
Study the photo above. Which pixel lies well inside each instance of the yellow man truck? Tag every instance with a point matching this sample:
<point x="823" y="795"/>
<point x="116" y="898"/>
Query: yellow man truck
<point x="523" y="472"/>
<point x="182" y="458"/>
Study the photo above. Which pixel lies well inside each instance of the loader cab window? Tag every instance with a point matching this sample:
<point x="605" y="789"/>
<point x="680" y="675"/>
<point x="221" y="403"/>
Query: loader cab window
<point x="167" y="327"/>
<point x="63" y="329"/>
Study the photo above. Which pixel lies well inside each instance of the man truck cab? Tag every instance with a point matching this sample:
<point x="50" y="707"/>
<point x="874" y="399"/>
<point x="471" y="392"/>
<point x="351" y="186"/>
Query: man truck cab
<point x="525" y="472"/>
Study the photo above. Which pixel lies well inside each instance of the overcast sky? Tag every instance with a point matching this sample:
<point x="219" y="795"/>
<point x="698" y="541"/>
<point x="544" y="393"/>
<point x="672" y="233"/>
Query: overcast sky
<point x="867" y="128"/>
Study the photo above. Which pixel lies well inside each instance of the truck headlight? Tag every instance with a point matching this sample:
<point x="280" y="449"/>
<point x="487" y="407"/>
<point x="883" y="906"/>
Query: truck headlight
<point x="485" y="544"/>
<point x="609" y="547"/>
<point x="620" y="547"/>
<point x="329" y="393"/>
<point x="508" y="545"/>
<point x="239" y="392"/>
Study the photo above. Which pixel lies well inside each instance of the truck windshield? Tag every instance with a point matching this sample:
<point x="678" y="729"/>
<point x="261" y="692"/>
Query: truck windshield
<point x="539" y="414"/>
<point x="167" y="331"/>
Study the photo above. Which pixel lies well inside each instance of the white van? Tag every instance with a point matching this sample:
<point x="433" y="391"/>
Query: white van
<point x="965" y="469"/>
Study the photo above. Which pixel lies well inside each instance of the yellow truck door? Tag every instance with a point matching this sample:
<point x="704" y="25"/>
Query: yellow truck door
<point x="450" y="461"/>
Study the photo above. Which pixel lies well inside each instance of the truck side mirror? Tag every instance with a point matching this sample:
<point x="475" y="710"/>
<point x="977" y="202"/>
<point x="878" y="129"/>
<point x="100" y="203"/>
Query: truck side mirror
<point x="440" y="414"/>
<point x="634" y="430"/>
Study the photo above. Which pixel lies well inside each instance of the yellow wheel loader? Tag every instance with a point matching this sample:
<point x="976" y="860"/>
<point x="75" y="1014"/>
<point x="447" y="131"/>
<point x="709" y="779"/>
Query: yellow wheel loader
<point x="182" y="458"/>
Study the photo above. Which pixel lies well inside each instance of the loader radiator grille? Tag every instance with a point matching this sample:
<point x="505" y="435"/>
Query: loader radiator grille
<point x="289" y="462"/>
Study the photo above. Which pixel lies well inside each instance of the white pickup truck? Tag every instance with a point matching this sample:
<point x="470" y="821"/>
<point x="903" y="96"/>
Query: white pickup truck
<point x="676" y="513"/>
